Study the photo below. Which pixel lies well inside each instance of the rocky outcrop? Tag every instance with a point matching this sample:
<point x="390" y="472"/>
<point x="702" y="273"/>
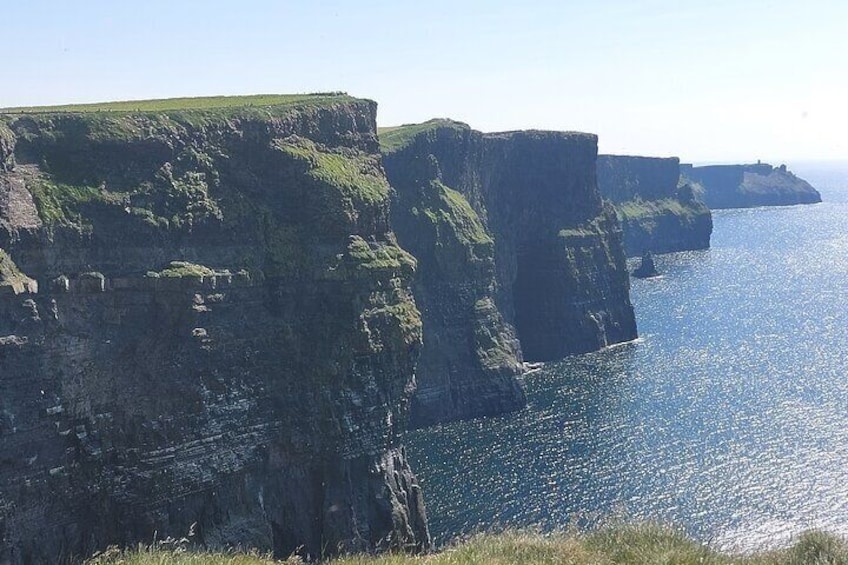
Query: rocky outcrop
<point x="647" y="268"/>
<point x="222" y="332"/>
<point x="560" y="276"/>
<point x="7" y="149"/>
<point x="744" y="186"/>
<point x="471" y="357"/>
<point x="656" y="212"/>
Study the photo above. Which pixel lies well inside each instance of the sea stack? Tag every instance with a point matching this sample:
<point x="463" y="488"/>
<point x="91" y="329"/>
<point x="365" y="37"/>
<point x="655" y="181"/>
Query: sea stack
<point x="646" y="268"/>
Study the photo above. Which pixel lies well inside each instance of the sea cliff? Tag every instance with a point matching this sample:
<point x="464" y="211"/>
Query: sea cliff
<point x="471" y="357"/>
<point x="657" y="213"/>
<point x="745" y="186"/>
<point x="514" y="240"/>
<point x="206" y="323"/>
<point x="210" y="320"/>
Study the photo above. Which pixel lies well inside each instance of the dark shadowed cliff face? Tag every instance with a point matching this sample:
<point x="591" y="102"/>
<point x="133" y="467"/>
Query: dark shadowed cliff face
<point x="743" y="186"/>
<point x="204" y="318"/>
<point x="471" y="357"/>
<point x="559" y="255"/>
<point x="559" y="271"/>
<point x="656" y="214"/>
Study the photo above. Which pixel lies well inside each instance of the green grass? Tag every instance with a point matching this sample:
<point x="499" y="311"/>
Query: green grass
<point x="198" y="103"/>
<point x="59" y="204"/>
<point x="453" y="211"/>
<point x="620" y="545"/>
<point x="179" y="269"/>
<point x="642" y="209"/>
<point x="379" y="257"/>
<point x="10" y="275"/>
<point x="396" y="138"/>
<point x="355" y="173"/>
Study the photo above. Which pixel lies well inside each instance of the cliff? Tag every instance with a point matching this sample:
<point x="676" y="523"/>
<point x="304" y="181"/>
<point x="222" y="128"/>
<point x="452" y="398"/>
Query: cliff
<point x="471" y="357"/>
<point x="744" y="186"/>
<point x="656" y="214"/>
<point x="204" y="319"/>
<point x="555" y="270"/>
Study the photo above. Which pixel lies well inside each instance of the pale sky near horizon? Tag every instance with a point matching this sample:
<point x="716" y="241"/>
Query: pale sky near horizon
<point x="706" y="81"/>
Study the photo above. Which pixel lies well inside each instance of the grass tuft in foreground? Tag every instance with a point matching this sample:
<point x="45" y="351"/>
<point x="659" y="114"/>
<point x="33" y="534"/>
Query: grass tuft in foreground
<point x="625" y="545"/>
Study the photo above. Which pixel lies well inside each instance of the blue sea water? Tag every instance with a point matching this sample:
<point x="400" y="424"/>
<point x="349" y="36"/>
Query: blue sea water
<point x="728" y="418"/>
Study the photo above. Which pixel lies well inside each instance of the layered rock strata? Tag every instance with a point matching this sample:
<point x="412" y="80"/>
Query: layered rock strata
<point x="745" y="186"/>
<point x="559" y="272"/>
<point x="206" y="324"/>
<point x="471" y="357"/>
<point x="657" y="213"/>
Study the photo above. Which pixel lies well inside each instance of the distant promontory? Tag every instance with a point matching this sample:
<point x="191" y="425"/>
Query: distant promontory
<point x="745" y="186"/>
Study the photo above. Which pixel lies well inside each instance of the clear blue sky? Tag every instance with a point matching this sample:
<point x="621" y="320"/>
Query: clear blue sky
<point x="705" y="80"/>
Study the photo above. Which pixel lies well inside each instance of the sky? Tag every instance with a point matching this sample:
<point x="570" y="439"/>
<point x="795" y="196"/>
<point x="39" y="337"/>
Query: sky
<point x="707" y="81"/>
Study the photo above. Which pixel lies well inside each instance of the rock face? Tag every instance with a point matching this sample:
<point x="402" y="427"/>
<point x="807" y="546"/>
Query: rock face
<point x="555" y="272"/>
<point x="646" y="268"/>
<point x="471" y="357"/>
<point x="657" y="213"/>
<point x="7" y="149"/>
<point x="559" y="254"/>
<point x="204" y="319"/>
<point x="744" y="186"/>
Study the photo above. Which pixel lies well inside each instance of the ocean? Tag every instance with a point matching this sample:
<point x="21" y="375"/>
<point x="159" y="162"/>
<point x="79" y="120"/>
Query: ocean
<point x="727" y="418"/>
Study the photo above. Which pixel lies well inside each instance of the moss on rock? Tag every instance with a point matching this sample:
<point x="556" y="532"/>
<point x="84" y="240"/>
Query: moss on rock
<point x="399" y="137"/>
<point x="11" y="276"/>
<point x="7" y="148"/>
<point x="356" y="174"/>
<point x="362" y="256"/>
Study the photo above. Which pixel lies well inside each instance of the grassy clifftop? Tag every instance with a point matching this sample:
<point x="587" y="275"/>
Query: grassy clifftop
<point x="198" y="103"/>
<point x="643" y="545"/>
<point x="396" y="138"/>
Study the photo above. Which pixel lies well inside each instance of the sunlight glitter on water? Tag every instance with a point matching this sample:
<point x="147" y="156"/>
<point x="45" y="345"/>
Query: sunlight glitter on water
<point x="728" y="418"/>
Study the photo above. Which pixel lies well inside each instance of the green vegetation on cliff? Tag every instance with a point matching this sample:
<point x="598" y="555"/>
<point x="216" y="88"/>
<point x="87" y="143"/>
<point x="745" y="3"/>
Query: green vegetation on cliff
<point x="625" y="545"/>
<point x="355" y="174"/>
<point x="470" y="355"/>
<point x="180" y="269"/>
<point x="10" y="275"/>
<point x="396" y="138"/>
<point x="452" y="212"/>
<point x="379" y="257"/>
<point x="295" y="194"/>
<point x="60" y="204"/>
<point x="639" y="209"/>
<point x="7" y="152"/>
<point x="196" y="103"/>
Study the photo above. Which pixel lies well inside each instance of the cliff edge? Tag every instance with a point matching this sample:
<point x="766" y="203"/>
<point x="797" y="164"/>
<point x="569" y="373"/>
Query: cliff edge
<point x="745" y="186"/>
<point x="205" y="319"/>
